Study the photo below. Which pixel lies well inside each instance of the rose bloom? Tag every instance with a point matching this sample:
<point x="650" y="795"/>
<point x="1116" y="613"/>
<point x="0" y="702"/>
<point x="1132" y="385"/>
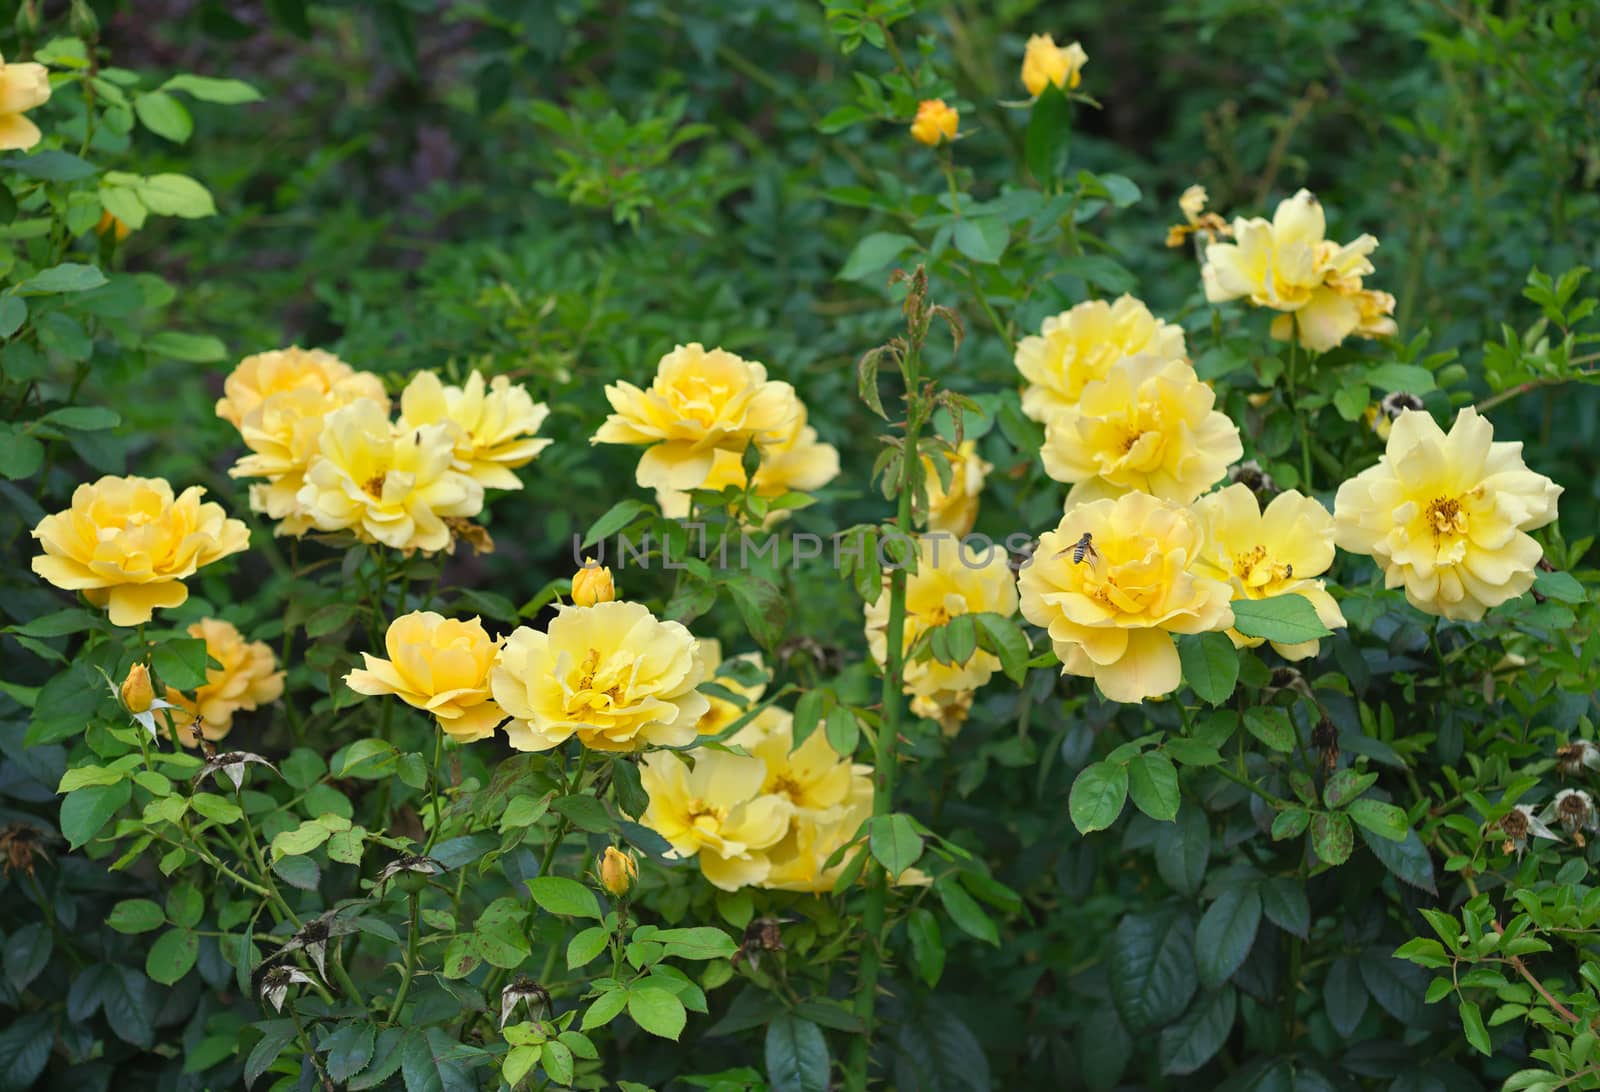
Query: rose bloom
<point x="952" y="578"/>
<point x="386" y="485"/>
<point x="1077" y="347"/>
<point x="954" y="510"/>
<point x="1445" y="515"/>
<point x="1149" y="427"/>
<point x="439" y="665"/>
<point x="284" y="434"/>
<point x="593" y="584"/>
<point x="935" y="122"/>
<point x="613" y="674"/>
<point x="813" y="777"/>
<point x="800" y="861"/>
<point x="1045" y="63"/>
<point x="128" y="545"/>
<point x="949" y="710"/>
<point x="715" y="811"/>
<point x="22" y="87"/>
<point x="1274" y="552"/>
<point x="1111" y="616"/>
<point x="722" y="712"/>
<point x="257" y="378"/>
<point x="247" y="679"/>
<point x="494" y="428"/>
<point x="795" y="462"/>
<point x="702" y="401"/>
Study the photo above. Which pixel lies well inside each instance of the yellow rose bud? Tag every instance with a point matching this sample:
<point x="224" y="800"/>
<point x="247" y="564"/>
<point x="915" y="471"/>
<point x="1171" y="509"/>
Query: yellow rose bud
<point x="618" y="871"/>
<point x="109" y="223"/>
<point x="136" y="692"/>
<point x="1045" y="63"/>
<point x="592" y="584"/>
<point x="935" y="122"/>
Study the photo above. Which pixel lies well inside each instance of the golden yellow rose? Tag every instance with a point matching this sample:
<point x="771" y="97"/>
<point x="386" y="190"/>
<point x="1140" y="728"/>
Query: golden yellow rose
<point x="1147" y="427"/>
<point x="257" y="378"/>
<point x="796" y="462"/>
<point x="952" y="578"/>
<point x="128" y="545"/>
<point x="1278" y="551"/>
<point x="22" y="87"/>
<point x="1111" y="615"/>
<point x="701" y="402"/>
<point x="799" y="862"/>
<point x="619" y="869"/>
<point x="493" y="428"/>
<point x="439" y="665"/>
<point x="954" y="509"/>
<point x="935" y="122"/>
<point x="593" y="584"/>
<point x="613" y="674"/>
<point x="949" y="710"/>
<point x="1045" y="63"/>
<point x="715" y="811"/>
<point x="1077" y="347"/>
<point x="246" y="679"/>
<point x="813" y="777"/>
<point x="387" y="485"/>
<point x="1445" y="515"/>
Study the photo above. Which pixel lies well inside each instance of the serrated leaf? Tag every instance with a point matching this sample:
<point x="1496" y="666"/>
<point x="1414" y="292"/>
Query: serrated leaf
<point x="1210" y="666"/>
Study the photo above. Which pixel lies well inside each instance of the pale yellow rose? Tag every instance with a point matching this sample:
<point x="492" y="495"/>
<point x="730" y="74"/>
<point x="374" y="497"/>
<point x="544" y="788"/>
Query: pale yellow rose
<point x="387" y="485"/>
<point x="439" y="665"/>
<point x="701" y="402"/>
<point x="613" y="674"/>
<point x="1192" y="202"/>
<point x="1279" y="551"/>
<point x="128" y="545"/>
<point x="1445" y="515"/>
<point x="954" y="510"/>
<point x="800" y="861"/>
<point x="1111" y="616"/>
<point x="722" y="712"/>
<point x="935" y="122"/>
<point x="952" y="578"/>
<point x="1147" y="427"/>
<point x="22" y="87"/>
<point x="715" y="811"/>
<point x="593" y="584"/>
<point x="257" y="378"/>
<point x="813" y="777"/>
<point x="246" y="679"/>
<point x="795" y="462"/>
<point x="1077" y="347"/>
<point x="1045" y="63"/>
<point x="949" y="710"/>
<point x="493" y="428"/>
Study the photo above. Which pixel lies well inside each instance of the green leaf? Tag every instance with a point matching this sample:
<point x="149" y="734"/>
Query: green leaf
<point x="185" y="905"/>
<point x="349" y="1049"/>
<point x="631" y="797"/>
<point x="83" y="418"/>
<point x="1560" y="586"/>
<point x="172" y="955"/>
<point x="135" y="916"/>
<point x="1384" y="820"/>
<point x="873" y="253"/>
<point x="927" y="944"/>
<point x="1151" y="967"/>
<point x="301" y="840"/>
<point x="895" y="843"/>
<point x="431" y="1061"/>
<point x="586" y="945"/>
<point x="1332" y="837"/>
<point x="617" y="517"/>
<point x="66" y="277"/>
<point x="700" y="942"/>
<point x="1344" y="996"/>
<point x="164" y="116"/>
<point x="181" y="662"/>
<point x="51" y="166"/>
<point x="207" y="89"/>
<point x="1210" y="666"/>
<point x="1049" y="134"/>
<point x="1408" y="860"/>
<point x="569" y="898"/>
<point x="797" y="1055"/>
<point x="1195" y="1039"/>
<point x="844" y="734"/>
<point x="27" y="952"/>
<point x="1290" y="823"/>
<point x="25" y="1047"/>
<point x="1098" y="270"/>
<point x="763" y="608"/>
<point x="1183" y="850"/>
<point x="807" y="713"/>
<point x="605" y="1009"/>
<point x="85" y="811"/>
<point x="983" y="240"/>
<point x="1394" y="376"/>
<point x="13" y="313"/>
<point x="584" y="812"/>
<point x="1271" y="726"/>
<point x="1283" y="900"/>
<point x="1153" y="784"/>
<point x="1345" y="785"/>
<point x="657" y="1011"/>
<point x="1003" y="637"/>
<point x="1097" y="796"/>
<point x="965" y="911"/>
<point x="174" y="195"/>
<point x="190" y="348"/>
<point x="1225" y="934"/>
<point x="1287" y="619"/>
<point x="1472" y="1026"/>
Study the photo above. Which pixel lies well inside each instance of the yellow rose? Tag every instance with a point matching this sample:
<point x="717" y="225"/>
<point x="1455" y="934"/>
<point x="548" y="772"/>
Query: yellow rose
<point x="722" y="712"/>
<point x="386" y="485"/>
<point x="613" y="674"/>
<point x="247" y="679"/>
<point x="1111" y="616"/>
<point x="949" y="711"/>
<point x="128" y="545"/>
<point x="618" y="871"/>
<point x="439" y="665"/>
<point x="952" y="578"/>
<point x="1149" y="427"/>
<point x="22" y="87"/>
<point x="283" y="434"/>
<point x="800" y="861"/>
<point x="493" y="430"/>
<point x="701" y="402"/>
<point x="1045" y="63"/>
<point x="813" y="777"/>
<point x="259" y="377"/>
<point x="795" y="462"/>
<point x="593" y="584"/>
<point x="715" y="811"/>
<point x="136" y="692"/>
<point x="1445" y="515"/>
<point x="955" y="510"/>
<point x="1077" y="347"/>
<point x="935" y="122"/>
<point x="1192" y="202"/>
<point x="1274" y="552"/>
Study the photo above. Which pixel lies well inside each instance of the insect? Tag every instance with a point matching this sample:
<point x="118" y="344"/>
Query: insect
<point x="1083" y="548"/>
<point x="1288" y="571"/>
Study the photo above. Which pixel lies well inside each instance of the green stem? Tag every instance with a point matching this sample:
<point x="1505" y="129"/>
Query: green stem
<point x="1299" y="418"/>
<point x="411" y="959"/>
<point x="433" y="790"/>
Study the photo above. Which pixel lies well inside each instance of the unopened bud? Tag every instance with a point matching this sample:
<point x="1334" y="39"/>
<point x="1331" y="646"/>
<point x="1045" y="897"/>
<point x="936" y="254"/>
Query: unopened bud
<point x="83" y="21"/>
<point x="136" y="692"/>
<point x="27" y="21"/>
<point x="618" y="871"/>
<point x="592" y="584"/>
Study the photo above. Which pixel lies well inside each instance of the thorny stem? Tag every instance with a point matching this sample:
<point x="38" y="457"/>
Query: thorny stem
<point x="411" y="960"/>
<point x="1509" y="393"/>
<point x="305" y="1042"/>
<point x="433" y="790"/>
